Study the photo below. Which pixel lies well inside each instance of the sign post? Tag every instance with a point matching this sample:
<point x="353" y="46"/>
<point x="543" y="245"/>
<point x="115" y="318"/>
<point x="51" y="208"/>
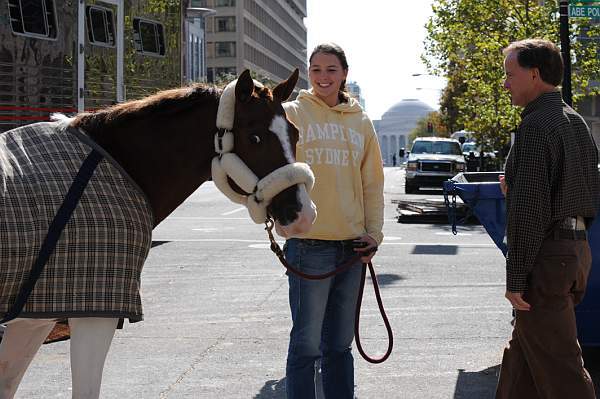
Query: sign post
<point x="565" y="49"/>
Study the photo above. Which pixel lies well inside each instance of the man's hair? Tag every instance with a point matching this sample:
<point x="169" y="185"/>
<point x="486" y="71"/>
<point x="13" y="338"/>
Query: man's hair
<point x="541" y="54"/>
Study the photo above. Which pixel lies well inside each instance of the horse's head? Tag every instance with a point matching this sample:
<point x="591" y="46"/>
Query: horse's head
<point x="257" y="145"/>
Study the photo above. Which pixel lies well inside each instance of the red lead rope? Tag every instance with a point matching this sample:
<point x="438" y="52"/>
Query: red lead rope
<point x="340" y="269"/>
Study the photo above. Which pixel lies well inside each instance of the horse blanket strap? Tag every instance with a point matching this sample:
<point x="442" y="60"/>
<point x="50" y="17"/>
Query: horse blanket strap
<point x="56" y="227"/>
<point x="340" y="269"/>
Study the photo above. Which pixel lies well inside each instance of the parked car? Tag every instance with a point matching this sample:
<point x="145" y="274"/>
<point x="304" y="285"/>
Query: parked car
<point x="431" y="161"/>
<point x="472" y="153"/>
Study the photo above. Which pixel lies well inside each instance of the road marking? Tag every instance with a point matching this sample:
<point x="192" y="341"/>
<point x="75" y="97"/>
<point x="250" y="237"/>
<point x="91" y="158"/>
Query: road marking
<point x="207" y="240"/>
<point x="234" y="211"/>
<point x="265" y="242"/>
<point x="441" y="244"/>
<point x="392" y="238"/>
<point x="202" y="218"/>
<point x="259" y="246"/>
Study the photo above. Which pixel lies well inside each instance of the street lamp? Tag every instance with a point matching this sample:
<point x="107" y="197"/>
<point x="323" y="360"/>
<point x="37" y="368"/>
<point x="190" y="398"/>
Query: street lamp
<point x="199" y="12"/>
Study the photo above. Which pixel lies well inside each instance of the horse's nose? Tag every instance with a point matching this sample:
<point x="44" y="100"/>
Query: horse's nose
<point x="289" y="213"/>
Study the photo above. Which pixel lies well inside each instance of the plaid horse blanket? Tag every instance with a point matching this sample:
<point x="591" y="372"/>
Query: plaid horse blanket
<point x="95" y="268"/>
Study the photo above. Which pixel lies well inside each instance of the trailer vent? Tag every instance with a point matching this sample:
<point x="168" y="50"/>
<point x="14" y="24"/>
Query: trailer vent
<point x="33" y="18"/>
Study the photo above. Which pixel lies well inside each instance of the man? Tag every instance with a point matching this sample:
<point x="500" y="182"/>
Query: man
<point x="552" y="189"/>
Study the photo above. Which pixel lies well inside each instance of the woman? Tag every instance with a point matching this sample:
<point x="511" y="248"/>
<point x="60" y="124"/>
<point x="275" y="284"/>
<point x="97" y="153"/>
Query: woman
<point x="337" y="139"/>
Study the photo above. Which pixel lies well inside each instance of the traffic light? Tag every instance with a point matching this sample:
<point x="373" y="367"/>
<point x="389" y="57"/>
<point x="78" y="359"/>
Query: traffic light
<point x="429" y="127"/>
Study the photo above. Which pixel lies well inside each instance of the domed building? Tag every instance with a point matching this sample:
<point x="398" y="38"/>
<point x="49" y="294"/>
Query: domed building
<point x="397" y="123"/>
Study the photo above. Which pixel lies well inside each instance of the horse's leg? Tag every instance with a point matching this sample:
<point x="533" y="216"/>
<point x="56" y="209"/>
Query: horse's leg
<point x="21" y="341"/>
<point x="90" y="341"/>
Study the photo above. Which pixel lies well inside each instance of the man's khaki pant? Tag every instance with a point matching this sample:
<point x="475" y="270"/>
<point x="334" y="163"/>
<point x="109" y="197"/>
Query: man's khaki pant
<point x="543" y="358"/>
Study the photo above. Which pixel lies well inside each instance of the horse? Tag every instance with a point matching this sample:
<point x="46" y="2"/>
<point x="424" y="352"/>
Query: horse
<point x="147" y="157"/>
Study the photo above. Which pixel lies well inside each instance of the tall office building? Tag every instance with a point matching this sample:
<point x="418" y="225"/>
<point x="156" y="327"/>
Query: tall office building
<point x="265" y="36"/>
<point x="354" y="90"/>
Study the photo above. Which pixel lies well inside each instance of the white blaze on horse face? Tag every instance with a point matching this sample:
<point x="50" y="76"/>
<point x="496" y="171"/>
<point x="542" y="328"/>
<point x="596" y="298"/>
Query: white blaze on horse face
<point x="279" y="126"/>
<point x="307" y="215"/>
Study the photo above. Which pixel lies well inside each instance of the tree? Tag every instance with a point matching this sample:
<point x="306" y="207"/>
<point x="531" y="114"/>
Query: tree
<point x="434" y="119"/>
<point x="223" y="79"/>
<point x="464" y="43"/>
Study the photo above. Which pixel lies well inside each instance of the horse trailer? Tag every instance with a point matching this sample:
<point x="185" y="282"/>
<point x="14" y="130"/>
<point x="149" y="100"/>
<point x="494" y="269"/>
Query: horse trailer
<point x="70" y="56"/>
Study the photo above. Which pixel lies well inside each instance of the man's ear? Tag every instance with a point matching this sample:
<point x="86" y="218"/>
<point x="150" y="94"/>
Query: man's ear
<point x="535" y="74"/>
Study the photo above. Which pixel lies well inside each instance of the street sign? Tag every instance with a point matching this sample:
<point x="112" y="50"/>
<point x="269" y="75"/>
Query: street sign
<point x="584" y="1"/>
<point x="584" y="11"/>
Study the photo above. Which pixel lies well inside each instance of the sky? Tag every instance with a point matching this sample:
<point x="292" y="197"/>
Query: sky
<point x="383" y="41"/>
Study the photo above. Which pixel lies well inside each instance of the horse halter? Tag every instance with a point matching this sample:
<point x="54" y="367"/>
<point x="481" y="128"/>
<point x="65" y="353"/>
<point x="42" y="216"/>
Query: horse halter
<point x="228" y="164"/>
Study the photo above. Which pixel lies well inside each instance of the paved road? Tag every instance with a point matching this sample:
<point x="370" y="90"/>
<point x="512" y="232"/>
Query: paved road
<point x="217" y="320"/>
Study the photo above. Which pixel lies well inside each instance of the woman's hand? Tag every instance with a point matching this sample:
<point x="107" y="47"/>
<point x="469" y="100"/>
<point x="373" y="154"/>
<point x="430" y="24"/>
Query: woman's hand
<point x="366" y="244"/>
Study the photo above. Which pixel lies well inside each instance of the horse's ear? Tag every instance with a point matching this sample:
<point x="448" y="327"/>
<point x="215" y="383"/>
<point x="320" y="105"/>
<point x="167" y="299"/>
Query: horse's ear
<point x="283" y="90"/>
<point x="244" y="87"/>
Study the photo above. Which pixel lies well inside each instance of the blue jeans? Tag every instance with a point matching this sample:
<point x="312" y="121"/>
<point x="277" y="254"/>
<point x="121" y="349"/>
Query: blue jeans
<point x="323" y="315"/>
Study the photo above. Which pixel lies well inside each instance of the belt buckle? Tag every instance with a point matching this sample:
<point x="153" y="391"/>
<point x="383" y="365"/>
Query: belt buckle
<point x="570" y="223"/>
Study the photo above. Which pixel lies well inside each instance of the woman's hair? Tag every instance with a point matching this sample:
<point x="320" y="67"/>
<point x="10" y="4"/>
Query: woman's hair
<point x="334" y="49"/>
<point x="541" y="54"/>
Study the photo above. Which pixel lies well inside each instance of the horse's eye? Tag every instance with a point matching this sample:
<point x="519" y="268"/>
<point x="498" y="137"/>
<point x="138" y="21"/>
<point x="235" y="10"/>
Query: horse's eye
<point x="255" y="139"/>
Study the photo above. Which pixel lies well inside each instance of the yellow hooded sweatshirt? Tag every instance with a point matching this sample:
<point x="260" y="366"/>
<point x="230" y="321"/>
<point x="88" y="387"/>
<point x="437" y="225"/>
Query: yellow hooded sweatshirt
<point x="340" y="145"/>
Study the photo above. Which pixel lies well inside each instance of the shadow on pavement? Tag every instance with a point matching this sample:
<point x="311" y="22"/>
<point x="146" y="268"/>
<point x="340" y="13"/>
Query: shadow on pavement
<point x="273" y="389"/>
<point x="431" y="191"/>
<point x="477" y="384"/>
<point x="157" y="243"/>
<point x="482" y="384"/>
<point x="435" y="250"/>
<point x="463" y="228"/>
<point x="591" y="359"/>
<point x="387" y="278"/>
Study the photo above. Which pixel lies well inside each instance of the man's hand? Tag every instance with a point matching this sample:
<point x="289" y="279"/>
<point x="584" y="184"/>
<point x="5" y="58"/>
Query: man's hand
<point x="503" y="186"/>
<point x="517" y="301"/>
<point x="366" y="243"/>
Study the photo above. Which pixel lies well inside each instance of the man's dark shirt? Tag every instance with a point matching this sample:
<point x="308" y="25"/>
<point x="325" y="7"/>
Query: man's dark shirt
<point x="551" y="173"/>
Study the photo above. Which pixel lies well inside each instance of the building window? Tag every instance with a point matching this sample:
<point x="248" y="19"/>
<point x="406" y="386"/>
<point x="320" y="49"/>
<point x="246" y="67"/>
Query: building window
<point x="148" y="37"/>
<point x="224" y="71"/>
<point x="199" y="3"/>
<point x="100" y="26"/>
<point x="35" y="18"/>
<point x="224" y="3"/>
<point x="225" y="24"/>
<point x="224" y="49"/>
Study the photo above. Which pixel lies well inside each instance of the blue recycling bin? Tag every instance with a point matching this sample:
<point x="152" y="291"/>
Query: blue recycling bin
<point x="481" y="192"/>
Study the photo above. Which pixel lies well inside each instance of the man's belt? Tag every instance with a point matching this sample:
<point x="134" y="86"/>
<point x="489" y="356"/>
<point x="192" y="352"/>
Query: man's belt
<point x="570" y="228"/>
<point x="572" y="223"/>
